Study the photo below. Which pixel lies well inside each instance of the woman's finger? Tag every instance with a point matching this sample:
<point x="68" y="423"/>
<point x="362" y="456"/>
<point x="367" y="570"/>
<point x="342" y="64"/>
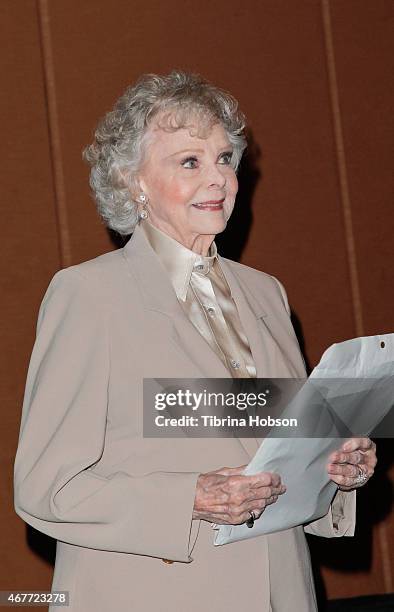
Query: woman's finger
<point x="258" y="511"/>
<point x="231" y="471"/>
<point x="264" y="493"/>
<point x="357" y="444"/>
<point x="263" y="479"/>
<point x="343" y="470"/>
<point x="355" y="457"/>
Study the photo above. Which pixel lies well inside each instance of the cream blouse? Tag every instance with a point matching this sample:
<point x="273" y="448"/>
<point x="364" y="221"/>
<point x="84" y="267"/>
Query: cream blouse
<point x="205" y="296"/>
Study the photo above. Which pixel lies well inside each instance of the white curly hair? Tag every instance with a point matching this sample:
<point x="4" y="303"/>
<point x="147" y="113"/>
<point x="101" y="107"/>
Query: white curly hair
<point x="118" y="147"/>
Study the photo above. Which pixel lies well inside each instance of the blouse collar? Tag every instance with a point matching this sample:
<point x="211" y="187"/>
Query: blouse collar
<point x="179" y="261"/>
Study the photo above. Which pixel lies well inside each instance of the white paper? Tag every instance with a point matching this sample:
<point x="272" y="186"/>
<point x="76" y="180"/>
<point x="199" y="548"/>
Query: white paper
<point x="301" y="462"/>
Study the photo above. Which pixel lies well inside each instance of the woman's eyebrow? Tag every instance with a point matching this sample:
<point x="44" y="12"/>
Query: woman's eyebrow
<point x="227" y="148"/>
<point x="190" y="150"/>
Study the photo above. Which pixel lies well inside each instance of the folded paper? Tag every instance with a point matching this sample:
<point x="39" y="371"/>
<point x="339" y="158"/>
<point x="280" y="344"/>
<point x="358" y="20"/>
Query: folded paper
<point x="349" y="393"/>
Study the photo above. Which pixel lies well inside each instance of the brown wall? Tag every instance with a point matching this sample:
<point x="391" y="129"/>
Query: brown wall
<point x="314" y="78"/>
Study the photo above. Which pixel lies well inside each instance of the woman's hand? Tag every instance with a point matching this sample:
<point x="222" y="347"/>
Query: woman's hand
<point x="226" y="497"/>
<point x="353" y="464"/>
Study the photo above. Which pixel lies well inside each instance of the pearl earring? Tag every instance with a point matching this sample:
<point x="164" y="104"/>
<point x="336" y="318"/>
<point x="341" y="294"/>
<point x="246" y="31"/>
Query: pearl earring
<point x="143" y="214"/>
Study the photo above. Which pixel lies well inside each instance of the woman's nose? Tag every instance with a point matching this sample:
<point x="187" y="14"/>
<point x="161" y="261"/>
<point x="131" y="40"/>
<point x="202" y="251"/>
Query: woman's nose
<point x="217" y="177"/>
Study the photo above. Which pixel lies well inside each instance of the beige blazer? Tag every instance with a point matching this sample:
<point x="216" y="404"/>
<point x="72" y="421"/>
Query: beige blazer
<point x="118" y="503"/>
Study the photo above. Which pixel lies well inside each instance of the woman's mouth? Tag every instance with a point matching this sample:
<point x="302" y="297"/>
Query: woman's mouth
<point x="210" y="205"/>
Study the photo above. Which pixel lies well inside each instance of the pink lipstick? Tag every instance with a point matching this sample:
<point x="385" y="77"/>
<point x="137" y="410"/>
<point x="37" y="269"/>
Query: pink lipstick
<point x="210" y="205"/>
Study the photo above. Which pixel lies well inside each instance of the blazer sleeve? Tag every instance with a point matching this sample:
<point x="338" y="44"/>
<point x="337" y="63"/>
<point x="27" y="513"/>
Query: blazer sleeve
<point x="340" y="519"/>
<point x="63" y="435"/>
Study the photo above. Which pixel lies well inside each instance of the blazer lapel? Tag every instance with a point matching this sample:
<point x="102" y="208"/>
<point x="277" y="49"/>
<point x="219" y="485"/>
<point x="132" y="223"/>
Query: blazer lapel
<point x="159" y="297"/>
<point x="273" y="359"/>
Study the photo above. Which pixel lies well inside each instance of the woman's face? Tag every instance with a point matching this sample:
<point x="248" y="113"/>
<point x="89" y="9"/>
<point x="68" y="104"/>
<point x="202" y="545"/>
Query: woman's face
<point x="190" y="183"/>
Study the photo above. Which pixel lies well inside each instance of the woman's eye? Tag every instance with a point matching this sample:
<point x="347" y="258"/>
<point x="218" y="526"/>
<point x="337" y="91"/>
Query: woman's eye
<point x="226" y="158"/>
<point x="190" y="162"/>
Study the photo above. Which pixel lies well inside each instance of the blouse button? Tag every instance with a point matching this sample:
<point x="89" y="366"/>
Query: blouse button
<point x="235" y="363"/>
<point x="211" y="311"/>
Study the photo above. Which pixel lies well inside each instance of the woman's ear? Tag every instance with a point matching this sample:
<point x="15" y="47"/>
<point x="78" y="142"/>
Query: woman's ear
<point x="140" y="185"/>
<point x="134" y="187"/>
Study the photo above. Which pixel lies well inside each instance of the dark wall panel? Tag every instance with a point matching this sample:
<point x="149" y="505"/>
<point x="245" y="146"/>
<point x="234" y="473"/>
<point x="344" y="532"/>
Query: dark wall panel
<point x="363" y="38"/>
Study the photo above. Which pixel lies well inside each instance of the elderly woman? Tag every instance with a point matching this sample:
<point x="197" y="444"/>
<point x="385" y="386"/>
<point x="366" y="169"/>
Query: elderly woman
<point x="132" y="515"/>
